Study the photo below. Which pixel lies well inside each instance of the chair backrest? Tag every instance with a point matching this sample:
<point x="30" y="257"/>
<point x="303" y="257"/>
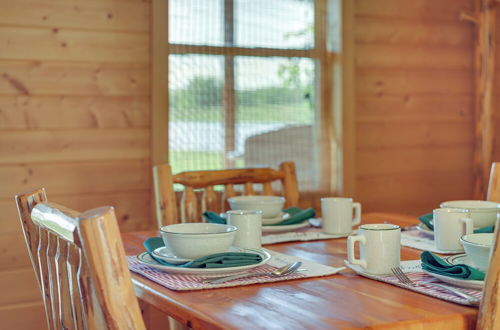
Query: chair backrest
<point x="165" y="200"/>
<point x="489" y="310"/>
<point x="494" y="184"/>
<point x="80" y="265"/>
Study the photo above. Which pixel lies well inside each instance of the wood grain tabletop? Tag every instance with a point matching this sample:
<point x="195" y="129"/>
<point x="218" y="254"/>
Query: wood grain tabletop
<point x="342" y="301"/>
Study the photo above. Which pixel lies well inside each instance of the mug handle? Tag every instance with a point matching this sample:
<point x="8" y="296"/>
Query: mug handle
<point x="351" y="241"/>
<point x="469" y="225"/>
<point x="357" y="214"/>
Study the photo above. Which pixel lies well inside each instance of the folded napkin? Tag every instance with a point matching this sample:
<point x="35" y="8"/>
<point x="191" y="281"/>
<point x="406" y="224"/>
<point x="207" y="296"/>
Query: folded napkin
<point x="435" y="264"/>
<point x="426" y="219"/>
<point x="218" y="260"/>
<point x="297" y="216"/>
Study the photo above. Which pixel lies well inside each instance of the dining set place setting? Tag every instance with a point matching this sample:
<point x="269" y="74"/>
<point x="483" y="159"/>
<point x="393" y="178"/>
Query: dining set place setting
<point x="455" y="239"/>
<point x="226" y="250"/>
<point x="294" y="224"/>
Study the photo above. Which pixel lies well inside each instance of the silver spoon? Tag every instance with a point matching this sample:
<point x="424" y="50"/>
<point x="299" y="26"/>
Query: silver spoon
<point x="285" y="270"/>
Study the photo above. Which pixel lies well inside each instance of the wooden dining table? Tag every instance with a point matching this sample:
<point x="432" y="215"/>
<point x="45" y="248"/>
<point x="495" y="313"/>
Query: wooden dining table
<point x="344" y="300"/>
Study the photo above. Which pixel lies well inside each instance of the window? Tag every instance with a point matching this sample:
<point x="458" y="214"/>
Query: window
<point x="250" y="84"/>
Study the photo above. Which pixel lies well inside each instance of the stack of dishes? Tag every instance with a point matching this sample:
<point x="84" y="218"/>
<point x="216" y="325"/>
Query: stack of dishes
<point x="271" y="207"/>
<point x="189" y="241"/>
<point x="477" y="250"/>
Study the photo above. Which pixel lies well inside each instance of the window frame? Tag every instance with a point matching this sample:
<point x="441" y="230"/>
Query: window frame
<point x="335" y="105"/>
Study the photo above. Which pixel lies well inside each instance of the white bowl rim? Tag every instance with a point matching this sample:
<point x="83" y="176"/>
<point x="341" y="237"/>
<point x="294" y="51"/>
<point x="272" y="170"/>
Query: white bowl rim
<point x="464" y="239"/>
<point x="231" y="228"/>
<point x="451" y="210"/>
<point x="475" y="209"/>
<point x="379" y="226"/>
<point x="257" y="199"/>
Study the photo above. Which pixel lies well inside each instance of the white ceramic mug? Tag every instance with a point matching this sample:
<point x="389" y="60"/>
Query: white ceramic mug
<point x="449" y="225"/>
<point x="337" y="214"/>
<point x="249" y="224"/>
<point x="379" y="246"/>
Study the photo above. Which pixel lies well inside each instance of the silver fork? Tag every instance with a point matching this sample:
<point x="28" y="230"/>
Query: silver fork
<point x="403" y="278"/>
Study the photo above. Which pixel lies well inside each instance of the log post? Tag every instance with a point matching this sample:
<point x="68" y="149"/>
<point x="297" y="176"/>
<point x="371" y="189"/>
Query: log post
<point x="484" y="65"/>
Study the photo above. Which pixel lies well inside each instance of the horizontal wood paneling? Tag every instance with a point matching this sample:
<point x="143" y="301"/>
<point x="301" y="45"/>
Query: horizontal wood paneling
<point x="46" y="112"/>
<point x="377" y="55"/>
<point x="428" y="82"/>
<point x="412" y="193"/>
<point x="410" y="135"/>
<point x="414" y="160"/>
<point x="418" y="10"/>
<point x="75" y="119"/>
<point x="73" y="78"/>
<point x="410" y="108"/>
<point x="22" y="286"/>
<point x="106" y="15"/>
<point x="132" y="209"/>
<point x="23" y="316"/>
<point x="73" y="145"/>
<point x="414" y="104"/>
<point x="380" y="30"/>
<point x="13" y="251"/>
<point x="17" y="43"/>
<point x="82" y="177"/>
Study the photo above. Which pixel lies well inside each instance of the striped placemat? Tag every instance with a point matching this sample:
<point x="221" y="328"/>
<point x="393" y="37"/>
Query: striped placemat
<point x="300" y="235"/>
<point x="415" y="239"/>
<point x="181" y="282"/>
<point x="413" y="269"/>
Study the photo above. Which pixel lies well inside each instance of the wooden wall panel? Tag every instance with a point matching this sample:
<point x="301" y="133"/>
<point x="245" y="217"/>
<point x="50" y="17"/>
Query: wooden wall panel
<point x="22" y="286"/>
<point x="82" y="177"/>
<point x="69" y="111"/>
<point x="72" y="145"/>
<point x="373" y="162"/>
<point x="424" y="32"/>
<point x="412" y="192"/>
<point x="413" y="82"/>
<point x="405" y="135"/>
<point x="379" y="55"/>
<point x="414" y="94"/>
<point x="23" y="316"/>
<point x="416" y="11"/>
<point x="72" y="45"/>
<point x="73" y="78"/>
<point x="414" y="108"/>
<point x="75" y="119"/>
<point x="110" y="15"/>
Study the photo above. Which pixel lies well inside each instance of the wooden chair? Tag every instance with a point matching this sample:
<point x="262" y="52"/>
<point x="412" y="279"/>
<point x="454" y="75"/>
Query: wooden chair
<point x="80" y="265"/>
<point x="489" y="312"/>
<point x="166" y="205"/>
<point x="494" y="184"/>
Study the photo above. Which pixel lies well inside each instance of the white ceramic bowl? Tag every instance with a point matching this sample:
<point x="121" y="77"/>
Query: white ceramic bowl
<point x="477" y="247"/>
<point x="270" y="206"/>
<point x="484" y="213"/>
<point x="195" y="240"/>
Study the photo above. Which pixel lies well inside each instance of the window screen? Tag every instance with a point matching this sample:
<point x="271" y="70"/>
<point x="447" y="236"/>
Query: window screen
<point x="243" y="82"/>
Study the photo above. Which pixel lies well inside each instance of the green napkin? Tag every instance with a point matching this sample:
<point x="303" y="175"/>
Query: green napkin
<point x="297" y="216"/>
<point x="426" y="219"/>
<point x="435" y="264"/>
<point x="218" y="260"/>
<point x="213" y="217"/>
